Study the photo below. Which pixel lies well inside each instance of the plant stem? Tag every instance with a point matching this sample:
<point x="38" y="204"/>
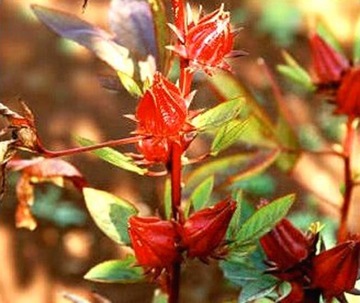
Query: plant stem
<point x="78" y="150"/>
<point x="348" y="181"/>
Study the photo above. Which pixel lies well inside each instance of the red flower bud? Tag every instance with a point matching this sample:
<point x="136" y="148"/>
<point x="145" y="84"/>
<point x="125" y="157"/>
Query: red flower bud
<point x="162" y="110"/>
<point x="209" y="41"/>
<point x="285" y="245"/>
<point x="335" y="270"/>
<point x="348" y="94"/>
<point x="328" y="64"/>
<point x="154" y="150"/>
<point x="204" y="231"/>
<point x="154" y="241"/>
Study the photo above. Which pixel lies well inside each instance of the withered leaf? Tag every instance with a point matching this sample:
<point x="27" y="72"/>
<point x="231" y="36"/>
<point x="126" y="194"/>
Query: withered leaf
<point x="40" y="170"/>
<point x="7" y="151"/>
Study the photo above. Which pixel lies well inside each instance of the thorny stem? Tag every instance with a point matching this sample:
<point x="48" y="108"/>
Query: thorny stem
<point x="78" y="150"/>
<point x="348" y="181"/>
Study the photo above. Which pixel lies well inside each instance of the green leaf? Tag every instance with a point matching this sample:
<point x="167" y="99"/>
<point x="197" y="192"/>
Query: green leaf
<point x="227" y="135"/>
<point x="232" y="169"/>
<point x="356" y="50"/>
<point x="130" y="84"/>
<point x="113" y="157"/>
<point x="264" y="220"/>
<point x="258" y="289"/>
<point x="324" y="31"/>
<point x="160" y="297"/>
<point x="236" y="218"/>
<point x="162" y="34"/>
<point x="110" y="213"/>
<point x="201" y="195"/>
<point x="218" y="115"/>
<point x="116" y="271"/>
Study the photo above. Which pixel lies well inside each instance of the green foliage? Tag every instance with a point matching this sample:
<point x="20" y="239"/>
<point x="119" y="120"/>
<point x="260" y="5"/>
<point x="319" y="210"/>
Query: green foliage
<point x="110" y="213"/>
<point x="130" y="84"/>
<point x="117" y="271"/>
<point x="218" y="115"/>
<point x="200" y="197"/>
<point x="264" y="220"/>
<point x="113" y="157"/>
<point x="261" y="185"/>
<point x="49" y="206"/>
<point x="293" y="71"/>
<point x="227" y="135"/>
<point x="281" y="19"/>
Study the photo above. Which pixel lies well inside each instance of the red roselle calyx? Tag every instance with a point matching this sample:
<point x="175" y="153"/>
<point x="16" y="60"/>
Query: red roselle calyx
<point x="204" y="231"/>
<point x="162" y="110"/>
<point x="207" y="42"/>
<point x="153" y="241"/>
<point x="348" y="95"/>
<point x="328" y="64"/>
<point x="335" y="270"/>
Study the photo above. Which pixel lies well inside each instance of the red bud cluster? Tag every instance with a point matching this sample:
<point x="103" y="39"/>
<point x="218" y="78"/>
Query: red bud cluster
<point x="291" y="257"/>
<point x="159" y="243"/>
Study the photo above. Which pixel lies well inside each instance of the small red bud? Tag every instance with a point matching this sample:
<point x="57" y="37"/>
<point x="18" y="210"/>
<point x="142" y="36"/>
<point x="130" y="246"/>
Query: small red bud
<point x="335" y="270"/>
<point x="162" y="110"/>
<point x="209" y="41"/>
<point x="204" y="230"/>
<point x="154" y="241"/>
<point x="154" y="149"/>
<point x="285" y="245"/>
<point x="348" y="94"/>
<point x="328" y="64"/>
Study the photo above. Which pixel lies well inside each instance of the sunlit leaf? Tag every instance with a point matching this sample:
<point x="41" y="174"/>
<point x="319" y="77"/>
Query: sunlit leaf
<point x="132" y="23"/>
<point x="295" y="72"/>
<point x="130" y="84"/>
<point x="227" y="135"/>
<point x="201" y="195"/>
<point x="95" y="39"/>
<point x="263" y="220"/>
<point x="219" y="114"/>
<point x="117" y="271"/>
<point x="324" y="31"/>
<point x="110" y="213"/>
<point x="114" y="157"/>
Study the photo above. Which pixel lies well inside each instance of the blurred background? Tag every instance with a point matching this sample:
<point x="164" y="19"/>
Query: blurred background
<point x="59" y="80"/>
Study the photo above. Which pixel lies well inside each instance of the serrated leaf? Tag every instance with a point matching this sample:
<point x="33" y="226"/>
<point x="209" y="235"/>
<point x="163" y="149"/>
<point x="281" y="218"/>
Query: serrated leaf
<point x="263" y="220"/>
<point x="258" y="289"/>
<point x="227" y="135"/>
<point x="218" y="115"/>
<point x="201" y="195"/>
<point x="110" y="213"/>
<point x="114" y="157"/>
<point x="116" y="271"/>
<point x="162" y="35"/>
<point x="95" y="39"/>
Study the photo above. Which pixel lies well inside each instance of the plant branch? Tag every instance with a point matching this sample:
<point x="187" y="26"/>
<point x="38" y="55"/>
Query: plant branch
<point x="348" y="181"/>
<point x="77" y="150"/>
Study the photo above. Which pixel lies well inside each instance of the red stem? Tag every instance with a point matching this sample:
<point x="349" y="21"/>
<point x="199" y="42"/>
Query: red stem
<point x="77" y="150"/>
<point x="348" y="181"/>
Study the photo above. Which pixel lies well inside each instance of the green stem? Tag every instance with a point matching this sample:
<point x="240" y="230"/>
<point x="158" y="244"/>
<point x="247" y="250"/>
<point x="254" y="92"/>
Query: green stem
<point x="348" y="181"/>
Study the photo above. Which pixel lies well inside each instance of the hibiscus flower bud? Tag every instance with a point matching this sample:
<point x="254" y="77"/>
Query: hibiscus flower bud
<point x="162" y="110"/>
<point x="348" y="94"/>
<point x="328" y="64"/>
<point x="154" y="150"/>
<point x="208" y="41"/>
<point x="154" y="241"/>
<point x="285" y="245"/>
<point x="335" y="270"/>
<point x="204" y="230"/>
